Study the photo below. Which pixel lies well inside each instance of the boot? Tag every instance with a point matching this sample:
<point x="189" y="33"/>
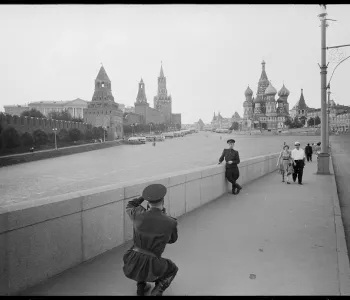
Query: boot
<point x="157" y="290"/>
<point x="238" y="188"/>
<point x="143" y="288"/>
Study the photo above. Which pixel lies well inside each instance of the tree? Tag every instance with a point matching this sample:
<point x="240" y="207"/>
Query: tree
<point x="32" y="113"/>
<point x="234" y="126"/>
<point x="317" y="120"/>
<point x="63" y="115"/>
<point x="88" y="135"/>
<point x="288" y="122"/>
<point x="75" y="134"/>
<point x="97" y="132"/>
<point x="26" y="139"/>
<point x="296" y="123"/>
<point x="302" y="120"/>
<point x="63" y="135"/>
<point x="40" y="137"/>
<point x="311" y="122"/>
<point x="80" y="120"/>
<point x="10" y="138"/>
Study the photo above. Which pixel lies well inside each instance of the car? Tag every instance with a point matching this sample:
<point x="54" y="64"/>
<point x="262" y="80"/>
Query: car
<point x="134" y="140"/>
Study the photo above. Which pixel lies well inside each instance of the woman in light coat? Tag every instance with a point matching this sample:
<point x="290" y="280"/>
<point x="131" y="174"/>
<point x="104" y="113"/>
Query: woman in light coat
<point x="285" y="163"/>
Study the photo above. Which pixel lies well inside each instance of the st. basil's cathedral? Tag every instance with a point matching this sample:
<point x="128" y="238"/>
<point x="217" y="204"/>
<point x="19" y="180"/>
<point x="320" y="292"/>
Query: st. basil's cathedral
<point x="265" y="111"/>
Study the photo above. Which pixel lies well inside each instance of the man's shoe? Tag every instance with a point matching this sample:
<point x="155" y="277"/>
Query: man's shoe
<point x="234" y="192"/>
<point x="300" y="183"/>
<point x="288" y="182"/>
<point x="142" y="290"/>
<point x="157" y="291"/>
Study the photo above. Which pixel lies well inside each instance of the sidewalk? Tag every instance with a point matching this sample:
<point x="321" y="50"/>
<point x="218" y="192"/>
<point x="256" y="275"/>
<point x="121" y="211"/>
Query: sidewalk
<point x="271" y="239"/>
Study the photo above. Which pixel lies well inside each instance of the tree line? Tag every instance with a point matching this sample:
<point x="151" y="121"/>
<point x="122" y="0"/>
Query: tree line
<point x="300" y="122"/>
<point x="63" y="115"/>
<point x="12" y="141"/>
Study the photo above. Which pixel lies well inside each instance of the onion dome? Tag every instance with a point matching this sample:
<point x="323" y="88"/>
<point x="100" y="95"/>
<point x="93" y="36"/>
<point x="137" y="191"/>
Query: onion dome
<point x="284" y="92"/>
<point x="270" y="90"/>
<point x="257" y="99"/>
<point x="248" y="92"/>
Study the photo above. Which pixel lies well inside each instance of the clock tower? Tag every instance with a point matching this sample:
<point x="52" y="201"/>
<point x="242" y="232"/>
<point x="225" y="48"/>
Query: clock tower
<point x="163" y="102"/>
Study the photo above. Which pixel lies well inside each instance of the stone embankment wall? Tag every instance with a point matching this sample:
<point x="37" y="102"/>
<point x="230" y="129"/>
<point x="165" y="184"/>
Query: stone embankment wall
<point x="42" y="238"/>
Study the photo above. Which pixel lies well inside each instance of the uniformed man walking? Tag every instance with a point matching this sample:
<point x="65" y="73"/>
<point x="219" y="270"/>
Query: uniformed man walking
<point x="232" y="160"/>
<point x="153" y="229"/>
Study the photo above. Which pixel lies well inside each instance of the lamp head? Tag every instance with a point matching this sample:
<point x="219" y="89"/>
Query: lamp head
<point x="323" y="13"/>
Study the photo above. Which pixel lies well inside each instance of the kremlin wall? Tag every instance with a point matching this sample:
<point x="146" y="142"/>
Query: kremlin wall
<point x="30" y="124"/>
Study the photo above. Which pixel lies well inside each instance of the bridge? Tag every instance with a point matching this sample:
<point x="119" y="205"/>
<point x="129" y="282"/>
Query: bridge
<point x="271" y="239"/>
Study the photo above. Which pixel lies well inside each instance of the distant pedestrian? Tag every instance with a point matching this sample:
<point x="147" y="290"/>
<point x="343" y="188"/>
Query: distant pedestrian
<point x="232" y="160"/>
<point x="153" y="230"/>
<point x="284" y="162"/>
<point x="308" y="152"/>
<point x="298" y="156"/>
<point x="318" y="148"/>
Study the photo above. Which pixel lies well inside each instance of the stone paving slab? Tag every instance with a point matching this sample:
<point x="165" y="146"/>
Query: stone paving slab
<point x="271" y="239"/>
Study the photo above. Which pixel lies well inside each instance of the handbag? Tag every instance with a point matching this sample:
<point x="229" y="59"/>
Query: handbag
<point x="290" y="169"/>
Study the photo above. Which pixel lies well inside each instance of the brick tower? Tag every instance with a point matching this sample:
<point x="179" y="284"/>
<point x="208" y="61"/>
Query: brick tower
<point x="162" y="101"/>
<point x="102" y="110"/>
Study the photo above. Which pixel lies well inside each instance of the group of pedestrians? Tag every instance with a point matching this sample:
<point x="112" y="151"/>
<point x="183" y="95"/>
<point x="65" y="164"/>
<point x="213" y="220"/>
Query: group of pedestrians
<point x="153" y="228"/>
<point x="292" y="162"/>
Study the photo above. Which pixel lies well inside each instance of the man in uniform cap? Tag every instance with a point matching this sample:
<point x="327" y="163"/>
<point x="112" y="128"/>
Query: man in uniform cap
<point x="153" y="229"/>
<point x="232" y="160"/>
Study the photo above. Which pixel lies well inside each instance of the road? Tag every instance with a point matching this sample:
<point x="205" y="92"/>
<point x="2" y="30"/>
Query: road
<point x="49" y="177"/>
<point x="341" y="161"/>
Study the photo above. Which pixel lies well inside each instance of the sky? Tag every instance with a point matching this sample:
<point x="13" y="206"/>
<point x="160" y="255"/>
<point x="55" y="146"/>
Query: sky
<point x="210" y="53"/>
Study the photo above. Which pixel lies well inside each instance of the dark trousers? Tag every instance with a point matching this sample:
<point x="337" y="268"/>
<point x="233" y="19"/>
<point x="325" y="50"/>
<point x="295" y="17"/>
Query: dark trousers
<point x="232" y="175"/>
<point x="309" y="157"/>
<point x="298" y="170"/>
<point x="163" y="282"/>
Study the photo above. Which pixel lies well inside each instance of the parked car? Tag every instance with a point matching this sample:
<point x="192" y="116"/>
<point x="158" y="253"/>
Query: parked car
<point x="135" y="140"/>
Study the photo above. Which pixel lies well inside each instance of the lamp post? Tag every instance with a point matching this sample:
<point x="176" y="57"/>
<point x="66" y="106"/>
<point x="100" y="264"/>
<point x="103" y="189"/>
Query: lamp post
<point x="54" y="131"/>
<point x="323" y="158"/>
<point x="104" y="134"/>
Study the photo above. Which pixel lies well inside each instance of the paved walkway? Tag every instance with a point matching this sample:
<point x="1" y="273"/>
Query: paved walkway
<point x="271" y="239"/>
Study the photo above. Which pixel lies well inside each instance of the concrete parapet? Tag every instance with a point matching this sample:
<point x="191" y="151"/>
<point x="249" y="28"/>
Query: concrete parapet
<point x="39" y="239"/>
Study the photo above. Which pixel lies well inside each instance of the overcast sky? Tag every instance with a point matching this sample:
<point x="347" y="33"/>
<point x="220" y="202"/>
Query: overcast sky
<point x="210" y="53"/>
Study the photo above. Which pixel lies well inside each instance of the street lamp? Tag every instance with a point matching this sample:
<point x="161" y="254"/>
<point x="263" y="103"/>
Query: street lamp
<point x="104" y="134"/>
<point x="54" y="131"/>
<point x="150" y="127"/>
<point x="323" y="158"/>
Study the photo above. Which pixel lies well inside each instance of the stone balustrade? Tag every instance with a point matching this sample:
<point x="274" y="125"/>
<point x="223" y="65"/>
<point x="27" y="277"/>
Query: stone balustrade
<point x="41" y="238"/>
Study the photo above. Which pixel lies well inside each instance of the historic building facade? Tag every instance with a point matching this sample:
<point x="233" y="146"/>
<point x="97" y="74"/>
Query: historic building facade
<point x="264" y="111"/>
<point x="300" y="109"/>
<point x="162" y="111"/>
<point x="103" y="110"/>
<point x="74" y="107"/>
<point x="219" y="122"/>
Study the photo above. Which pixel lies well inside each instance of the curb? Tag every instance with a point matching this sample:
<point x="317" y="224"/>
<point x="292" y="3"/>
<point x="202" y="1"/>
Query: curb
<point x="341" y="247"/>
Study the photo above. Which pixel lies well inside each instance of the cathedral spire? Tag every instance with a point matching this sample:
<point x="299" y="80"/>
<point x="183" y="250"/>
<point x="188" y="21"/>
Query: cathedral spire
<point x="161" y="70"/>
<point x="263" y="72"/>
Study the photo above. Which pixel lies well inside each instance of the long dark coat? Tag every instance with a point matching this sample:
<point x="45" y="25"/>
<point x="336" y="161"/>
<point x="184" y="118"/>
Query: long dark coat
<point x="231" y="154"/>
<point x="153" y="229"/>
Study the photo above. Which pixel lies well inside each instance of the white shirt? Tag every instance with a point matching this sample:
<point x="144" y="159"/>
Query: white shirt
<point x="298" y="154"/>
